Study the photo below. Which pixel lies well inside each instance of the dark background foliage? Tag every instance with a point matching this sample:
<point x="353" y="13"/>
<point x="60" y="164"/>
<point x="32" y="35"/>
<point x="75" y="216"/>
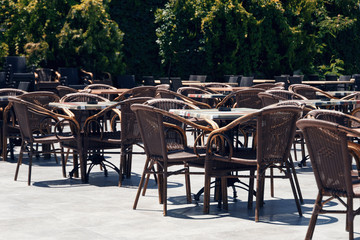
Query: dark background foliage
<point x="263" y="38"/>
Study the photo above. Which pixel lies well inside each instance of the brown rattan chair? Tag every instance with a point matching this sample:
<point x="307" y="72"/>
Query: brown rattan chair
<point x="245" y="98"/>
<point x="268" y="86"/>
<point x="344" y="120"/>
<point x="37" y="126"/>
<point x="164" y="93"/>
<point x="274" y="136"/>
<point x="63" y="90"/>
<point x="327" y="143"/>
<point x="197" y="90"/>
<point x="41" y="98"/>
<point x="141" y="91"/>
<point x="118" y="136"/>
<point x="10" y="128"/>
<point x="270" y="97"/>
<point x="100" y="86"/>
<point x="80" y="115"/>
<point x="164" y="152"/>
<point x="308" y="91"/>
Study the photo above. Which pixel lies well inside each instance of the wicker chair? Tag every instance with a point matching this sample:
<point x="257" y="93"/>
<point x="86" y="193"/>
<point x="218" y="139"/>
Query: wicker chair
<point x="274" y="96"/>
<point x="308" y="91"/>
<point x="100" y="86"/>
<point x="123" y="137"/>
<point x="36" y="124"/>
<point x="80" y="117"/>
<point x="154" y="132"/>
<point x="142" y="91"/>
<point x="46" y="79"/>
<point x="195" y="90"/>
<point x="164" y="93"/>
<point x="10" y="128"/>
<point x="41" y="98"/>
<point x="242" y="98"/>
<point x="274" y="136"/>
<point x="268" y="86"/>
<point x="63" y="90"/>
<point x="345" y="120"/>
<point x="327" y="144"/>
<point x="245" y="98"/>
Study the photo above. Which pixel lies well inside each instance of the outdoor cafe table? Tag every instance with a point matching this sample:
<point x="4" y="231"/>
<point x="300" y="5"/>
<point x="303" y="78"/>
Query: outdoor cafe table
<point x="227" y="89"/>
<point x="331" y="102"/>
<point x="203" y="84"/>
<point x="108" y="91"/>
<point x="214" y="114"/>
<point x="207" y="95"/>
<point x="337" y="93"/>
<point x="328" y="82"/>
<point x="82" y="106"/>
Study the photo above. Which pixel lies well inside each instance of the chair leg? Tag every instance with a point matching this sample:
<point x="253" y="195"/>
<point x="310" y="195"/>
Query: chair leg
<point x="294" y="175"/>
<point x="19" y="160"/>
<point x="259" y="192"/>
<point x="187" y="184"/>
<point x="164" y="197"/>
<point x="148" y="178"/>
<point x="350" y="218"/>
<point x="63" y="162"/>
<point x="251" y="189"/>
<point x="160" y="175"/>
<point x="30" y="163"/>
<point x="224" y="193"/>
<point x="314" y="216"/>
<point x="289" y="175"/>
<point x="271" y="182"/>
<point x="207" y="194"/>
<point x="141" y="183"/>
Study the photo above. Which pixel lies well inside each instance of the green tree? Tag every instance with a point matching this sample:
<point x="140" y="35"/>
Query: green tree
<point x="90" y="39"/>
<point x="180" y="38"/>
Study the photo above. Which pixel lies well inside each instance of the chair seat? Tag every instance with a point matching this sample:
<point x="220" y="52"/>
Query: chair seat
<point x="243" y="159"/>
<point x="52" y="138"/>
<point x="187" y="155"/>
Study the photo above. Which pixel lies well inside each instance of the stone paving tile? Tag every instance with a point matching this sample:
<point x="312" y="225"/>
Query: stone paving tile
<point x="54" y="207"/>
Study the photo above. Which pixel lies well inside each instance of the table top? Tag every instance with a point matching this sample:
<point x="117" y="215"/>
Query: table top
<point x="196" y="83"/>
<point x="227" y="89"/>
<point x="264" y="81"/>
<point x="328" y="82"/>
<point x="331" y="102"/>
<point x="213" y="114"/>
<point x="207" y="95"/>
<point x="337" y="93"/>
<point x="82" y="105"/>
<point x="108" y="91"/>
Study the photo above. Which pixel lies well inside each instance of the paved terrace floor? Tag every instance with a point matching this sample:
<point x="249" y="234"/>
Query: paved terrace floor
<point x="54" y="207"/>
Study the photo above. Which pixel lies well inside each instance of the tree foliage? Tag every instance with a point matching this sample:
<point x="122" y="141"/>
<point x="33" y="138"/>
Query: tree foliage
<point x="90" y="39"/>
<point x="182" y="37"/>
